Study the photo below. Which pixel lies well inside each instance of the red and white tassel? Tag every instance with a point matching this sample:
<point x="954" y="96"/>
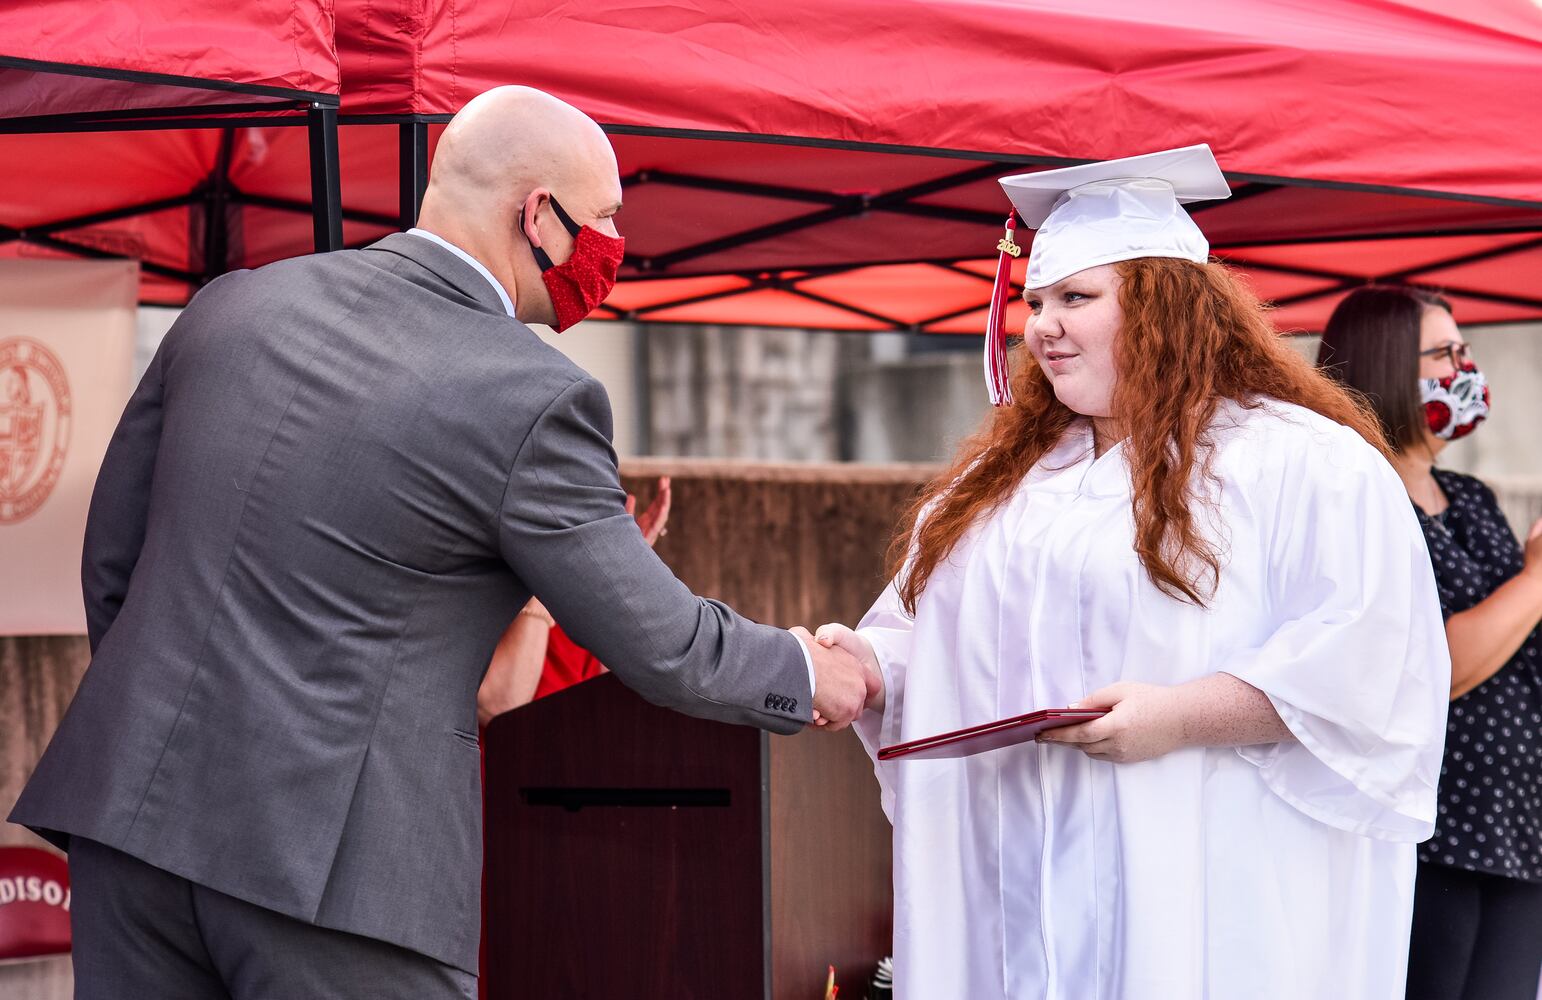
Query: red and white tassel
<point x="998" y="369"/>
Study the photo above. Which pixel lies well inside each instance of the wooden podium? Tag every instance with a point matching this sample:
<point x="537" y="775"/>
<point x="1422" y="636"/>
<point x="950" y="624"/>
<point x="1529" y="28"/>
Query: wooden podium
<point x="633" y="853"/>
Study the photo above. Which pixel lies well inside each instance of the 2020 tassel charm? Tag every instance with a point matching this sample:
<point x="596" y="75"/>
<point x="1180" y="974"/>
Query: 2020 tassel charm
<point x="998" y="369"/>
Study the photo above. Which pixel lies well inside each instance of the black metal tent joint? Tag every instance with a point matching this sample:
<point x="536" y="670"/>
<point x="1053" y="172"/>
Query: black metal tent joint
<point x="266" y="107"/>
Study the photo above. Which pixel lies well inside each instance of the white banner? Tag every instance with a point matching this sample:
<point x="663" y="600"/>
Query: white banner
<point x="66" y="354"/>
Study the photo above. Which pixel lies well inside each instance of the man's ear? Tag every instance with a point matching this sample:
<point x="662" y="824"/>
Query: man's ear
<point x="527" y="216"/>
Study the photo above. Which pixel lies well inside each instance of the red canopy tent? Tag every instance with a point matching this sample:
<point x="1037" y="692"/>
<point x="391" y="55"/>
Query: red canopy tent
<point x="76" y="58"/>
<point x="76" y="75"/>
<point x="832" y="165"/>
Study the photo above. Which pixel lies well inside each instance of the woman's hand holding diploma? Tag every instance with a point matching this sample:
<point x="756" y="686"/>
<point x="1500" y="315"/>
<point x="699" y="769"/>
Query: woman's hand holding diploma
<point x="1146" y="721"/>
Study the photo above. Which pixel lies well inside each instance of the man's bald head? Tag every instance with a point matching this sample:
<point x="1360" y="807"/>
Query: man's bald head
<point x="511" y="139"/>
<point x="508" y="152"/>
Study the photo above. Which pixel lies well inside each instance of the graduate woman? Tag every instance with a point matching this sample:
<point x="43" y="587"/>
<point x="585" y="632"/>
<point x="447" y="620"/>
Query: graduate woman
<point x="1173" y="517"/>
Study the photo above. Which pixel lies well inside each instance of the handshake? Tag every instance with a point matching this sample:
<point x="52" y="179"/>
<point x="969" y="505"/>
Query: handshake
<point x="846" y="675"/>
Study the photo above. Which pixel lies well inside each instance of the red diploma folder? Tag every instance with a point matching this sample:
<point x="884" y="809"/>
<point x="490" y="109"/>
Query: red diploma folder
<point x="991" y="735"/>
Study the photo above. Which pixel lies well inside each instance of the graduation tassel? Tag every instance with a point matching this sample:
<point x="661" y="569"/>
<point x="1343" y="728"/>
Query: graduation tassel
<point x="998" y="371"/>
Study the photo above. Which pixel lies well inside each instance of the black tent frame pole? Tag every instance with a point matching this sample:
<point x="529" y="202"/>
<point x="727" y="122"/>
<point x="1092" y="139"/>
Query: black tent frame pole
<point x="213" y="198"/>
<point x="322" y="121"/>
<point x="216" y="212"/>
<point x="412" y="170"/>
<point x="326" y="185"/>
<point x="154" y="118"/>
<point x="295" y="205"/>
<point x="9" y="233"/>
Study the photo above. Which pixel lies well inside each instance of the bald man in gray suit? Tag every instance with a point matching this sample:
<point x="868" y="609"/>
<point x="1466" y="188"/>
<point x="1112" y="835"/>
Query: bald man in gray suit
<point x="339" y="479"/>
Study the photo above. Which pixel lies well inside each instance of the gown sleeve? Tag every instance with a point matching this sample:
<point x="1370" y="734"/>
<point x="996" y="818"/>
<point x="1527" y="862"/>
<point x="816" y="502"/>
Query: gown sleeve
<point x="889" y="628"/>
<point x="1355" y="659"/>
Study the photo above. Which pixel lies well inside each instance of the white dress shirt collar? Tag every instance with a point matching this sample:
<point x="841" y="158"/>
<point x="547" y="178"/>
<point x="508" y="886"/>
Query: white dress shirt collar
<point x="503" y="296"/>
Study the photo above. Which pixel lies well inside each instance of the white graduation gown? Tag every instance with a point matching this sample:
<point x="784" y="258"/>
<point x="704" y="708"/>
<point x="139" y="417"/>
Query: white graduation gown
<point x="1281" y="871"/>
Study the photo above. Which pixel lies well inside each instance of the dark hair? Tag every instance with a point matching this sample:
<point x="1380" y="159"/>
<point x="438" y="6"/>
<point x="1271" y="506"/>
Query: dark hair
<point x="1371" y="346"/>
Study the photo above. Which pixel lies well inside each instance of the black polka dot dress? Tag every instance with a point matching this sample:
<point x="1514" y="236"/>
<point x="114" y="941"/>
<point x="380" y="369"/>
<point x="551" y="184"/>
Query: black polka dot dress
<point x="1490" y="804"/>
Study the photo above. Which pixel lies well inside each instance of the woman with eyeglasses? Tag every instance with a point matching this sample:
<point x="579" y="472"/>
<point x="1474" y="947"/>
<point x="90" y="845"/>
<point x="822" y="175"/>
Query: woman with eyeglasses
<point x="1477" y="925"/>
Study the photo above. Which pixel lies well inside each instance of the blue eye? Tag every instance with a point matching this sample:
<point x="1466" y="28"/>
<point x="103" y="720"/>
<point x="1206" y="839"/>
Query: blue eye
<point x="1034" y="305"/>
<point x="1074" y="296"/>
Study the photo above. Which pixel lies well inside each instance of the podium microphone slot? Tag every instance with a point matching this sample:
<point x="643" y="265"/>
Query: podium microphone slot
<point x="574" y="799"/>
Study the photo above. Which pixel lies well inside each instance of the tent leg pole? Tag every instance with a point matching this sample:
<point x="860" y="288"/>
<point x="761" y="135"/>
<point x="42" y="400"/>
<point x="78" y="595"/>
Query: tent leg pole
<point x="216" y="209"/>
<point x="412" y="170"/>
<point x="326" y="189"/>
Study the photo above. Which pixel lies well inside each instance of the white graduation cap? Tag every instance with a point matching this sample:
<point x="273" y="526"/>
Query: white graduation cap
<point x="1099" y="213"/>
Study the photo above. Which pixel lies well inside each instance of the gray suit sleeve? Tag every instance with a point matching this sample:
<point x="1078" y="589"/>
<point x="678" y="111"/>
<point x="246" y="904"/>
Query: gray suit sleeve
<point x="120" y="504"/>
<point x="564" y="529"/>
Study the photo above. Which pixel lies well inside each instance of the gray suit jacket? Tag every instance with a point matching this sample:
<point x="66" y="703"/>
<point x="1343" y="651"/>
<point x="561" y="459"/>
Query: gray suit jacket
<point x="340" y="478"/>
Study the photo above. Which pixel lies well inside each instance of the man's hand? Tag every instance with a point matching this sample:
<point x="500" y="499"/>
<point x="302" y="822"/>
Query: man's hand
<point x="1144" y="721"/>
<point x="837" y="636"/>
<point x="841" y="683"/>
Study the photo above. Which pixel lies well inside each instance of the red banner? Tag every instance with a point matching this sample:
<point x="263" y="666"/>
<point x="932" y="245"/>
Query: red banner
<point x="34" y="904"/>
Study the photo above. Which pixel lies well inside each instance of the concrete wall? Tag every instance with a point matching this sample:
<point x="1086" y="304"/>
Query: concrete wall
<point x="608" y="351"/>
<point x="736" y="392"/>
<point x="916" y="409"/>
<point x="1506" y="452"/>
<point x="1509" y="444"/>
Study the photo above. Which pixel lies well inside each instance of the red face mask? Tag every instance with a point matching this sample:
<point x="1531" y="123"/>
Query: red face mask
<point x="579" y="284"/>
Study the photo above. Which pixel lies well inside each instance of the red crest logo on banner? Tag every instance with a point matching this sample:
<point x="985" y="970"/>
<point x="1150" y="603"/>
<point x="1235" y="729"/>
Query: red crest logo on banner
<point x="34" y="904"/>
<point x="34" y="426"/>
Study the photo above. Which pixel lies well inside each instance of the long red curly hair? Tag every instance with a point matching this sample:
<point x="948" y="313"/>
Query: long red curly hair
<point x="1193" y="336"/>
